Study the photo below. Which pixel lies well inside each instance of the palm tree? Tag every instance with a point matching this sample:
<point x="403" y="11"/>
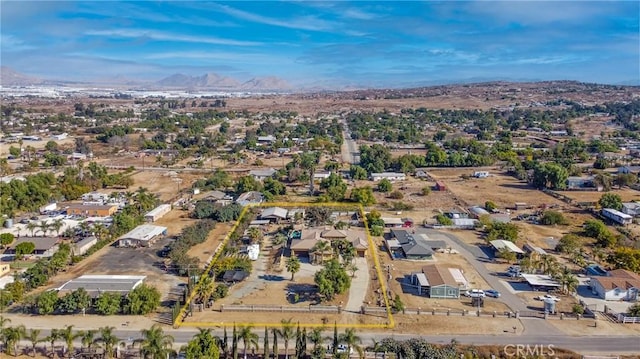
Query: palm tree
<point x="34" y="338"/>
<point x="32" y="226"/>
<point x="44" y="227"/>
<point x="293" y="265"/>
<point x="69" y="336"/>
<point x="350" y="338"/>
<point x="278" y="239"/>
<point x="12" y="336"/>
<point x="265" y="343"/>
<point x="255" y="234"/>
<point x="548" y="263"/>
<point x="88" y="338"/>
<point x="57" y="225"/>
<point x="205" y="290"/>
<point x="248" y="337"/>
<point x="53" y="336"/>
<point x="155" y="344"/>
<point x="99" y="230"/>
<point x="276" y="334"/>
<point x="108" y="340"/>
<point x="315" y="337"/>
<point x="286" y="332"/>
<point x="3" y="321"/>
<point x="321" y="247"/>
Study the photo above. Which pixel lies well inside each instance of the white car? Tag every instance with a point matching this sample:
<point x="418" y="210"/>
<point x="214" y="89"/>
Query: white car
<point x="475" y="293"/>
<point x="548" y="296"/>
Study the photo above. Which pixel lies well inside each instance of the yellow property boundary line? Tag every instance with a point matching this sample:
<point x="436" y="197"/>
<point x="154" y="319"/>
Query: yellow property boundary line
<point x="373" y="253"/>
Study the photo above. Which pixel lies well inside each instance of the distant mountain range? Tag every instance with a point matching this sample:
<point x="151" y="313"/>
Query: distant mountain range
<point x="210" y="81"/>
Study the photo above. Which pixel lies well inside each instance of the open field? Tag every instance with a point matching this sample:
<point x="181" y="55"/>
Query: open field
<point x="625" y="193"/>
<point x="164" y="183"/>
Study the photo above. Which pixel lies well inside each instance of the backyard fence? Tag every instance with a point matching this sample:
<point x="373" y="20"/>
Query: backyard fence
<point x="331" y="309"/>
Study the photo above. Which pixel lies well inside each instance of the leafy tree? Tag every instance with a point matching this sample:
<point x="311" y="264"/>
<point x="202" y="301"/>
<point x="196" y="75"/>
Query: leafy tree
<point x="490" y="206"/>
<point x="507" y="255"/>
<point x="625" y="179"/>
<point x="69" y="336"/>
<point x="319" y="215"/>
<point x="625" y="258"/>
<point x="248" y="337"/>
<point x="34" y="338"/>
<point x="363" y="195"/>
<point x="273" y="187"/>
<point x="203" y="345"/>
<point x="498" y="230"/>
<point x="357" y="173"/>
<point x="425" y="191"/>
<point x="398" y="305"/>
<point x="24" y="248"/>
<point x="444" y="220"/>
<point x="569" y="243"/>
<point x="88" y="339"/>
<point x="11" y="337"/>
<point x="293" y="265"/>
<point x="53" y="336"/>
<point x="334" y="186"/>
<point x="15" y="151"/>
<point x="108" y="303"/>
<point x="332" y="279"/>
<point x="396" y="195"/>
<point x="6" y="239"/>
<point x="46" y="302"/>
<point x="385" y="186"/>
<point x="634" y="310"/>
<point x="611" y="200"/>
<point x="142" y="300"/>
<point x="550" y="175"/>
<point x="552" y="218"/>
<point x="154" y="343"/>
<point x="246" y="184"/>
<point x="597" y="229"/>
<point x="316" y="338"/>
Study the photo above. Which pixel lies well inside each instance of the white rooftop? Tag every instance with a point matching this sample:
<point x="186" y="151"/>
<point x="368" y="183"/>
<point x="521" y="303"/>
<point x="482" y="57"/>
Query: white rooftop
<point x="501" y="243"/>
<point x="540" y="280"/>
<point x="144" y="232"/>
<point x="161" y="208"/>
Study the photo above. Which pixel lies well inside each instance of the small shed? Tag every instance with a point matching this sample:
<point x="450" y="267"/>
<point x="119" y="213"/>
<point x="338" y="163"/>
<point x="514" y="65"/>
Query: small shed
<point x="440" y="186"/>
<point x="234" y="276"/>
<point x="157" y="213"/>
<point x="82" y="246"/>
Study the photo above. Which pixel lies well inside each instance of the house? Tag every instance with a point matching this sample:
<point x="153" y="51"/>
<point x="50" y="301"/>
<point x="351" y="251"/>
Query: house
<point x="576" y="183"/>
<point x="481" y="174"/>
<point x="157" y="213"/>
<point x="440" y="186"/>
<point x="391" y="222"/>
<point x="142" y="236"/>
<point x="304" y="245"/>
<point x="533" y="251"/>
<point x="274" y="214"/>
<point x="616" y="216"/>
<point x="440" y="282"/>
<point x="5" y="268"/>
<point x="96" y="284"/>
<point x="95" y="197"/>
<point x="319" y="176"/>
<point x="500" y="244"/>
<point x="421" y="173"/>
<point x="631" y="208"/>
<point x="217" y="197"/>
<point x="77" y="156"/>
<point x="409" y="245"/>
<point x="82" y="246"/>
<point x="266" y="140"/>
<point x="45" y="246"/>
<point x="250" y="198"/>
<point x="59" y="137"/>
<point x="87" y="210"/>
<point x="262" y="174"/>
<point x="620" y="284"/>
<point x="391" y="176"/>
<point x="629" y="170"/>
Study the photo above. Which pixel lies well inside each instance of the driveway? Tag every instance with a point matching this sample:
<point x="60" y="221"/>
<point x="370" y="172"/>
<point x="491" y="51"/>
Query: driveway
<point x="359" y="284"/>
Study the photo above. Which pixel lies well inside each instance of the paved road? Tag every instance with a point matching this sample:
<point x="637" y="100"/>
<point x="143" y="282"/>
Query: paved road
<point x="359" y="284"/>
<point x="349" y="148"/>
<point x="472" y="254"/>
<point x="585" y="344"/>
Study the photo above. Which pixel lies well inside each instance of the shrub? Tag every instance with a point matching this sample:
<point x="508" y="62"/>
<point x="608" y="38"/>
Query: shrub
<point x="490" y="206"/>
<point x="552" y="218"/>
<point x="444" y="220"/>
<point x="396" y="195"/>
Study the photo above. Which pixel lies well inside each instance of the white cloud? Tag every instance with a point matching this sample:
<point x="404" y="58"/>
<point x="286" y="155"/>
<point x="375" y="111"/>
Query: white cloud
<point x="12" y="43"/>
<point x="161" y="36"/>
<point x="300" y="23"/>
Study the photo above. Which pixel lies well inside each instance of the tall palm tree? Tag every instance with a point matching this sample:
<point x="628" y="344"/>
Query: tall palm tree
<point x="32" y="226"/>
<point x="248" y="338"/>
<point x="321" y="247"/>
<point x="88" y="339"/>
<point x="286" y="332"/>
<point x="54" y="335"/>
<point x="316" y="338"/>
<point x="34" y="338"/>
<point x="12" y="336"/>
<point x="44" y="227"/>
<point x="293" y="265"/>
<point x="265" y="343"/>
<point x="155" y="344"/>
<point x="69" y="336"/>
<point x="352" y="341"/>
<point x="276" y="333"/>
<point x="108" y="340"/>
<point x="205" y="290"/>
<point x="548" y="263"/>
<point x="57" y="225"/>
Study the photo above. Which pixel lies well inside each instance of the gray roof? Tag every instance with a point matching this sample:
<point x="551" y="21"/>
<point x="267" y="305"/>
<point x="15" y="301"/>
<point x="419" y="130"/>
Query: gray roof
<point x="416" y="249"/>
<point x="41" y="243"/>
<point x="274" y="212"/>
<point x="96" y="284"/>
<point x="403" y="236"/>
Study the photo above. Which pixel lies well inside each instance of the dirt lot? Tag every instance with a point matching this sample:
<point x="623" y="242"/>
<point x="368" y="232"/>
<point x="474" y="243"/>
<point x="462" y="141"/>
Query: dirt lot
<point x="203" y="251"/>
<point x="164" y="183"/>
<point x="626" y="194"/>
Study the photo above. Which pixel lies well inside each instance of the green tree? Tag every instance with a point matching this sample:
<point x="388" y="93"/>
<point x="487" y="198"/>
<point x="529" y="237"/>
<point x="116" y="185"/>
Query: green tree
<point x="11" y="337"/>
<point x="352" y="341"/>
<point x="46" y="302"/>
<point x="498" y="230"/>
<point x="363" y="195"/>
<point x="15" y="151"/>
<point x="275" y="332"/>
<point x="316" y="338"/>
<point x="88" y="339"/>
<point x="31" y="227"/>
<point x="286" y="333"/>
<point x="265" y="344"/>
<point x="634" y="310"/>
<point x="611" y="200"/>
<point x="490" y="206"/>
<point x="625" y="179"/>
<point x="293" y="265"/>
<point x="82" y="299"/>
<point x="108" y="303"/>
<point x="425" y="191"/>
<point x="107" y="340"/>
<point x="569" y="243"/>
<point x="6" y="239"/>
<point x="625" y="258"/>
<point x="142" y="300"/>
<point x="203" y="345"/>
<point x="55" y="335"/>
<point x="550" y="218"/>
<point x="246" y="184"/>
<point x="357" y="173"/>
<point x="398" y="305"/>
<point x="332" y="279"/>
<point x="34" y="338"/>
<point x="248" y="337"/>
<point x="507" y="255"/>
<point x="550" y="175"/>
<point x="154" y="343"/>
<point x="24" y="248"/>
<point x="334" y="186"/>
<point x="69" y="336"/>
<point x="385" y="186"/>
<point x="444" y="220"/>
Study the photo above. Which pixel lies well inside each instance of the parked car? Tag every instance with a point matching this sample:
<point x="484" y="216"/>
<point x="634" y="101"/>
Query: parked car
<point x="492" y="293"/>
<point x="475" y="293"/>
<point x="24" y="221"/>
<point x="341" y="348"/>
<point x="548" y="296"/>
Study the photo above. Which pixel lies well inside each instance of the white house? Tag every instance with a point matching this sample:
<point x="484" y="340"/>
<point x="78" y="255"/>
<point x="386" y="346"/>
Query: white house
<point x="157" y="213"/>
<point x="617" y="216"/>
<point x="262" y="174"/>
<point x="143" y="235"/>
<point x="620" y="284"/>
<point x="95" y="197"/>
<point x="631" y="208"/>
<point x="391" y="176"/>
<point x="481" y="174"/>
<point x="249" y="198"/>
<point x="59" y="137"/>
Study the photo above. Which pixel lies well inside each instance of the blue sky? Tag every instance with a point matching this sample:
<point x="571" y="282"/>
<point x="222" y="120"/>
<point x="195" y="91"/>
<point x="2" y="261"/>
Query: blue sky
<point x="378" y="43"/>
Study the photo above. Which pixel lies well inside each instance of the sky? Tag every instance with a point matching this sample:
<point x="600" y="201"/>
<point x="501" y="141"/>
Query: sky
<point x="322" y="43"/>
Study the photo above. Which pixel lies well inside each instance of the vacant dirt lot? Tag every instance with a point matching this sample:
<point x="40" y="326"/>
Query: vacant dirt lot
<point x="626" y="194"/>
<point x="164" y="183"/>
